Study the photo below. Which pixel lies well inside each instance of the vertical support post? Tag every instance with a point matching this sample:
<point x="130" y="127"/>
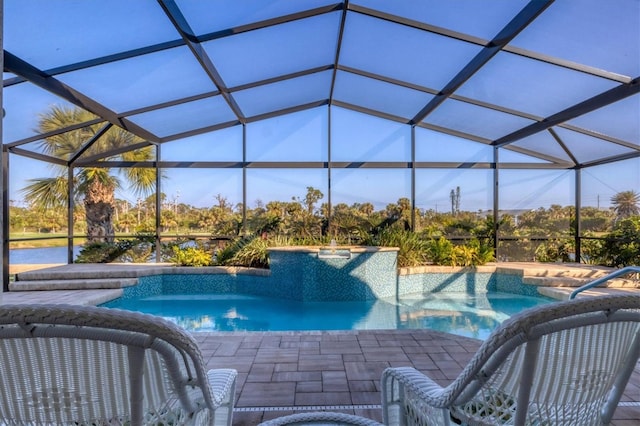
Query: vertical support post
<point x="158" y="202"/>
<point x="243" y="229"/>
<point x="413" y="178"/>
<point x="4" y="173"/>
<point x="5" y="214"/>
<point x="577" y="228"/>
<point x="329" y="143"/>
<point x="70" y="208"/>
<point x="496" y="199"/>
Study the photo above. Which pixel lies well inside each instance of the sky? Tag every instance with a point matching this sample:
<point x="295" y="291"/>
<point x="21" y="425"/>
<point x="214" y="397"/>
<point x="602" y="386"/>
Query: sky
<point x="598" y="35"/>
<point x="279" y="139"/>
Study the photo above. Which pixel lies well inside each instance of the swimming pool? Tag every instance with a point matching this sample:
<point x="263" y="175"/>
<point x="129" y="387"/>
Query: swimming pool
<point x="464" y="314"/>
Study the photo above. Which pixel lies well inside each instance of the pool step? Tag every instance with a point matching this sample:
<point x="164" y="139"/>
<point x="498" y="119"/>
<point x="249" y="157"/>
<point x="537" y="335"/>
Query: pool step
<point x="89" y="271"/>
<point x="553" y="270"/>
<point x="72" y="284"/>
<point x="573" y="282"/>
<point x="563" y="293"/>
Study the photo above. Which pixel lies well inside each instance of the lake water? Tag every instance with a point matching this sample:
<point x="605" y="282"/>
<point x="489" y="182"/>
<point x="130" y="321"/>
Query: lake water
<point x="40" y="255"/>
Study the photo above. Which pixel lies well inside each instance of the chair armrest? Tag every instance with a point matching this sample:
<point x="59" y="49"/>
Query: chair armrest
<point x="417" y="382"/>
<point x="223" y="385"/>
<point x="406" y="392"/>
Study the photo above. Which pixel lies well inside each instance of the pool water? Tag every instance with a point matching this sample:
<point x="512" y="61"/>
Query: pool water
<point x="457" y="313"/>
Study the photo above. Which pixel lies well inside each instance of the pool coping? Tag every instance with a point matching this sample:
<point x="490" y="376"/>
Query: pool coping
<point x="52" y="277"/>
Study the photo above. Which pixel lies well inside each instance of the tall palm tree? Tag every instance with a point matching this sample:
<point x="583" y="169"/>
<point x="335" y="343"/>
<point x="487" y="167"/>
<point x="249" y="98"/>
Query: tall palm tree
<point x="94" y="186"/>
<point x="626" y="204"/>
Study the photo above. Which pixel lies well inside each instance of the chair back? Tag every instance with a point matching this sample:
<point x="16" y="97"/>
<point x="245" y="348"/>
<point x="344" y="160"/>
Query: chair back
<point x="563" y="363"/>
<point x="64" y="364"/>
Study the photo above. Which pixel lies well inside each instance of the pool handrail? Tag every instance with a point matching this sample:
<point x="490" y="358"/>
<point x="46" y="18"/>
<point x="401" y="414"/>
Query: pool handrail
<point x="624" y="271"/>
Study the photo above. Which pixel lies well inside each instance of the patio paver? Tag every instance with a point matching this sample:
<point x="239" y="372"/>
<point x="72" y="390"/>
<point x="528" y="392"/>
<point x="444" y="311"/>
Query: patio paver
<point x="349" y="380"/>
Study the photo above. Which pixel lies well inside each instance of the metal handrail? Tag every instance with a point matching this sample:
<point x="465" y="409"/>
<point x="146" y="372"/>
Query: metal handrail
<point x="597" y="282"/>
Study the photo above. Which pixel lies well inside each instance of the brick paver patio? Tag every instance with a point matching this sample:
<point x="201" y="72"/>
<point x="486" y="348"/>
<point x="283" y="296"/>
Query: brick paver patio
<point x="282" y="373"/>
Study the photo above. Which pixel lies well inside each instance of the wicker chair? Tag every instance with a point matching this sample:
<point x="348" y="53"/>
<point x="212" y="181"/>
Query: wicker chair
<point x="78" y="365"/>
<point x="565" y="363"/>
<point x="321" y="418"/>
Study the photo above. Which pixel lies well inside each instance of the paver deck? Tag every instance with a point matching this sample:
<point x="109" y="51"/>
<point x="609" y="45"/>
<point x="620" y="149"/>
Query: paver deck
<point x="281" y="373"/>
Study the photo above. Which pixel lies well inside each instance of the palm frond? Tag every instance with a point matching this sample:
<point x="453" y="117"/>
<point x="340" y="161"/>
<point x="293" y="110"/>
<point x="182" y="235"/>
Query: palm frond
<point x="114" y="138"/>
<point x="142" y="181"/>
<point x="46" y="193"/>
<point x="65" y="144"/>
<point x="89" y="174"/>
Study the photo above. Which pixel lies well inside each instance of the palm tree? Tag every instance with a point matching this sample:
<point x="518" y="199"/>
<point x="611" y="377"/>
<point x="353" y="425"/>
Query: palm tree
<point x="94" y="186"/>
<point x="626" y="204"/>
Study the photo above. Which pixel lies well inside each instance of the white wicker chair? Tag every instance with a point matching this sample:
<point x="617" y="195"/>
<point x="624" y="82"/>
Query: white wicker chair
<point x="62" y="364"/>
<point x="321" y="418"/>
<point x="565" y="363"/>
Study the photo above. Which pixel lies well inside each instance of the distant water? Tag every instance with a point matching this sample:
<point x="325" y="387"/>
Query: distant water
<point x="41" y="255"/>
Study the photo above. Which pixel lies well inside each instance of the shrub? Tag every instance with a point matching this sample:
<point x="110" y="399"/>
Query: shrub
<point x="253" y="254"/>
<point x="138" y="249"/>
<point x="248" y="251"/>
<point x="483" y="251"/>
<point x="412" y="250"/>
<point x="554" y="251"/>
<point x="440" y="251"/>
<point x="474" y="253"/>
<point x="99" y="253"/>
<point x="192" y="256"/>
<point x="462" y="255"/>
<point x="622" y="245"/>
<point x="591" y="250"/>
<point x="223" y="256"/>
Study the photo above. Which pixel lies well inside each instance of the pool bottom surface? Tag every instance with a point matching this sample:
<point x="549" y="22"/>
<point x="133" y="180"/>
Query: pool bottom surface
<point x="457" y="313"/>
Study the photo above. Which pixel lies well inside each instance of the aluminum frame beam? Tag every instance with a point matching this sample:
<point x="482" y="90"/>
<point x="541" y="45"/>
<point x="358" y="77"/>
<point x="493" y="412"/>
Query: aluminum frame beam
<point x="508" y="33"/>
<point x="19" y="67"/>
<point x="90" y="143"/>
<point x="188" y="36"/>
<point x="598" y="101"/>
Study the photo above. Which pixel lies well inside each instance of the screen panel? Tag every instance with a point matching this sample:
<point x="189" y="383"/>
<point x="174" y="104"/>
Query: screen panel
<point x="531" y="86"/>
<point x="232" y="13"/>
<point x="438" y="146"/>
<point x="187" y="116"/>
<point x="619" y="120"/>
<point x="284" y="94"/>
<point x="379" y="96"/>
<point x="465" y="16"/>
<point x="588" y="148"/>
<point x="361" y="137"/>
<point x="276" y="50"/>
<point x="50" y="33"/>
<point x="301" y="136"/>
<point x="379" y="187"/>
<point x="142" y="81"/>
<point x="475" y="120"/>
<point x="24" y="104"/>
<point x="201" y="187"/>
<point x="401" y="52"/>
<point x="434" y="188"/>
<point x="599" y="34"/>
<point x="221" y="145"/>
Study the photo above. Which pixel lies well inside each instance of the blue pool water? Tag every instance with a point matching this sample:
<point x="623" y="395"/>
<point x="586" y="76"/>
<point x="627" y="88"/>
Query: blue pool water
<point x="458" y="313"/>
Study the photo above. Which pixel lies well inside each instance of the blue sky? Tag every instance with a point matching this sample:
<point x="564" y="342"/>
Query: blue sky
<point x="279" y="139"/>
<point x="597" y="35"/>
